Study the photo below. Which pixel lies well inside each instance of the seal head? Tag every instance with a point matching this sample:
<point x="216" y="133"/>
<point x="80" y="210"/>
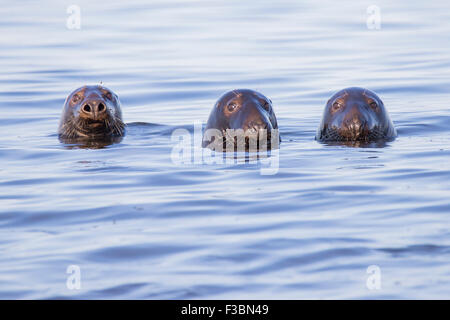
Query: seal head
<point x="91" y="113"/>
<point x="355" y="114"/>
<point x="244" y="119"/>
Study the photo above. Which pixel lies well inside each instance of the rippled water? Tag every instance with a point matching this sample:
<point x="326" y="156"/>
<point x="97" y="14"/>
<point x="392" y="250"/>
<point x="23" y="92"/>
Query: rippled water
<point x="139" y="225"/>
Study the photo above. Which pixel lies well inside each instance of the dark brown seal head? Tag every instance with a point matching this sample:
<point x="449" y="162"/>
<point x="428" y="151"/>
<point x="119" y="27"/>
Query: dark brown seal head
<point x="355" y="114"/>
<point x="241" y="120"/>
<point x="91" y="113"/>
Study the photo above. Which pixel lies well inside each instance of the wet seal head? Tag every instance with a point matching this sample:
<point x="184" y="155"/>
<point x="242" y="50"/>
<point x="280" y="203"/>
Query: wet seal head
<point x="91" y="114"/>
<point x="355" y="115"/>
<point x="242" y="120"/>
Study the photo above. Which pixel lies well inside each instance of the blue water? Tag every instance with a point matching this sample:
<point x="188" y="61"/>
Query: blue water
<point x="139" y="225"/>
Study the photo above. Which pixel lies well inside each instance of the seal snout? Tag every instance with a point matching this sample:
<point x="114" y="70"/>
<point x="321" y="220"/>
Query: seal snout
<point x="355" y="124"/>
<point x="93" y="110"/>
<point x="255" y="119"/>
<point x="254" y="126"/>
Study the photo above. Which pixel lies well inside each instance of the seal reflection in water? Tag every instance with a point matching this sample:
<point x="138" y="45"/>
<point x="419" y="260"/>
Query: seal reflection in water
<point x="242" y="120"/>
<point x="355" y="115"/>
<point x="92" y="116"/>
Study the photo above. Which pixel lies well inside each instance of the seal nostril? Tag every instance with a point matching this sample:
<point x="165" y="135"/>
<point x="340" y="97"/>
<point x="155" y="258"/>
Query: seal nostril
<point x="101" y="107"/>
<point x="87" y="108"/>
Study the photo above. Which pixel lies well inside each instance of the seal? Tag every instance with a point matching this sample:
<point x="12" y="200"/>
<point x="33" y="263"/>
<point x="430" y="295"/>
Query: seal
<point x="355" y="114"/>
<point x="242" y="120"/>
<point x="91" y="113"/>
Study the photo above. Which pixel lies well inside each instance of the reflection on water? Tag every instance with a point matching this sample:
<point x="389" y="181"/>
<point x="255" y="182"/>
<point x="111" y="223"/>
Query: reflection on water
<point x="359" y="144"/>
<point x="140" y="225"/>
<point x="86" y="143"/>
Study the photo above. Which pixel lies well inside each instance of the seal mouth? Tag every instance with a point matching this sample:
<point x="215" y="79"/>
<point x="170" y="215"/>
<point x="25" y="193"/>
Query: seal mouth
<point x="93" y="129"/>
<point x="249" y="141"/>
<point x="363" y="134"/>
<point x="95" y="123"/>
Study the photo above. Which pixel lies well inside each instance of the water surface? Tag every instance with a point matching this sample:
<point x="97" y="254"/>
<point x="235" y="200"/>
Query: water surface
<point x="141" y="226"/>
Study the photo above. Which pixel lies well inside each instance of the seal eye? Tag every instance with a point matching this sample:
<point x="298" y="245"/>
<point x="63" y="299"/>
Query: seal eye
<point x="108" y="95"/>
<point x="76" y="98"/>
<point x="336" y="106"/>
<point x="373" y="105"/>
<point x="266" y="105"/>
<point x="232" y="107"/>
